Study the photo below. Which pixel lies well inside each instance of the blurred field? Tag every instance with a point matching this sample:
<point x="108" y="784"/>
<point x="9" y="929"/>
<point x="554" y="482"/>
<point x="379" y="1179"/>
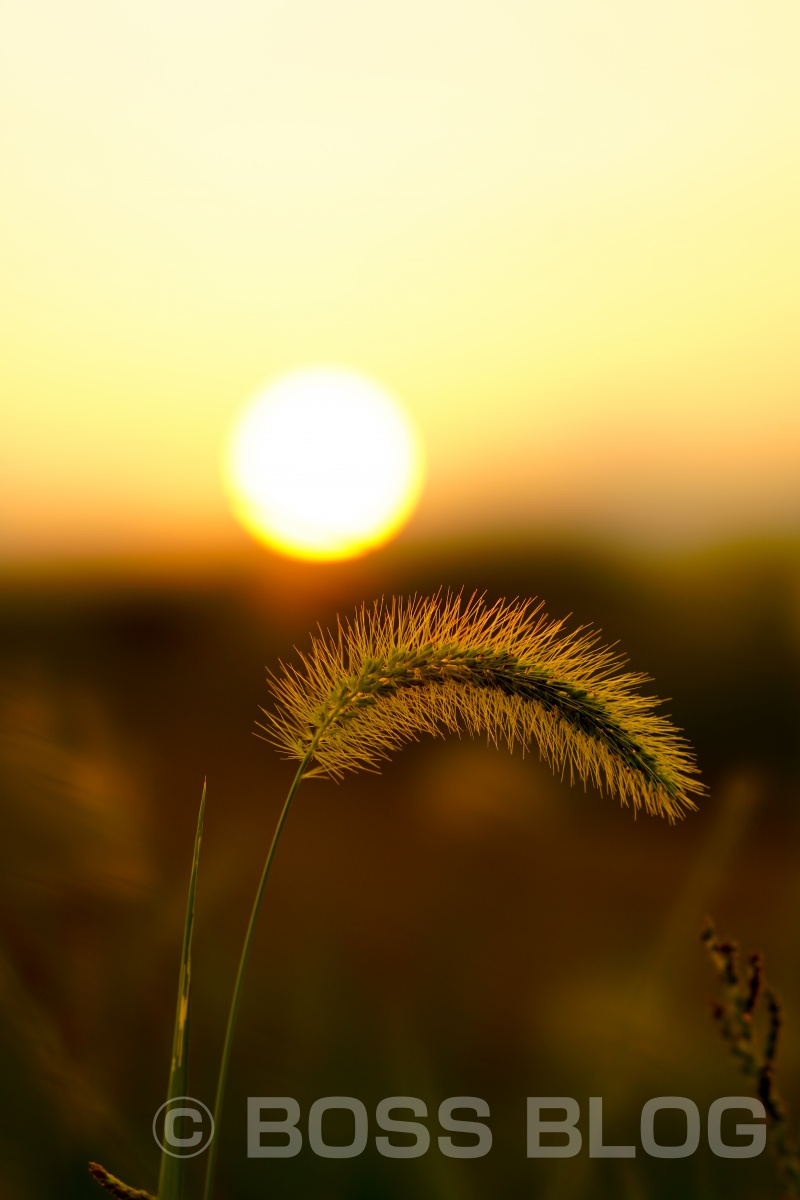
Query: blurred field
<point x="462" y="924"/>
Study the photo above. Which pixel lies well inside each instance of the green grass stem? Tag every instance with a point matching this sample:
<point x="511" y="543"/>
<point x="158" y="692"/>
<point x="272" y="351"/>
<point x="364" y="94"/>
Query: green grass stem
<point x="171" y="1173"/>
<point x="211" y="1161"/>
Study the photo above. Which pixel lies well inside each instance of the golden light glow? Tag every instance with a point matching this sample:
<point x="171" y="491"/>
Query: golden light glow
<point x="566" y="234"/>
<point x="323" y="464"/>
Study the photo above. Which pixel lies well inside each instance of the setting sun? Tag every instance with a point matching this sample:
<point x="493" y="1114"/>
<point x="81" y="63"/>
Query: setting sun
<point x="323" y="464"/>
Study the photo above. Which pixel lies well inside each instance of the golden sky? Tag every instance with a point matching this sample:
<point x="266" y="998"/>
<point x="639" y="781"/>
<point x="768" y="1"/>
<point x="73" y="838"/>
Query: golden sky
<point x="566" y="236"/>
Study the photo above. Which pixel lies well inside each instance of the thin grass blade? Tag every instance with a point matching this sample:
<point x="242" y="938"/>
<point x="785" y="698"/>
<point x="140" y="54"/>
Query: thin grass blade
<point x="170" y="1179"/>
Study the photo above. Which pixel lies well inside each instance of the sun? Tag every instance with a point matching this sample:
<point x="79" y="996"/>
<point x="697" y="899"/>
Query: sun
<point x="323" y="464"/>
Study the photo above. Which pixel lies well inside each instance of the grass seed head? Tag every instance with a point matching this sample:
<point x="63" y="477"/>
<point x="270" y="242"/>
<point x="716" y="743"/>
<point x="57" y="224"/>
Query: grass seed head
<point x="442" y="664"/>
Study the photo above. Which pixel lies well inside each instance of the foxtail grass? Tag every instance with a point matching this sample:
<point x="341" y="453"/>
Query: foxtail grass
<point x="440" y="664"/>
<point x="436" y="665"/>
<point x="433" y="665"/>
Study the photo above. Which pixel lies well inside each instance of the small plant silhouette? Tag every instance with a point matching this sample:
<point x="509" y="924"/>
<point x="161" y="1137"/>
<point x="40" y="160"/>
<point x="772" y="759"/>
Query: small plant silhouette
<point x="435" y="665"/>
<point x="736" y="1014"/>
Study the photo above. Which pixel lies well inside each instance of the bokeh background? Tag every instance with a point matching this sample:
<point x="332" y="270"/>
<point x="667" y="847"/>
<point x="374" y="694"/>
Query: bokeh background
<point x="566" y="238"/>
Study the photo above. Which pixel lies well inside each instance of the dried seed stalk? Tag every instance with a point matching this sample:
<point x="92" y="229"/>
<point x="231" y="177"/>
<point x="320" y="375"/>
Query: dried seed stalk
<point x="735" y="1015"/>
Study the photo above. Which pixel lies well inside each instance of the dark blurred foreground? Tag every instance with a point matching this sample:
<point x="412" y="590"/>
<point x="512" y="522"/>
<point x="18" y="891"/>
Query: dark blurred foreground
<point x="463" y="924"/>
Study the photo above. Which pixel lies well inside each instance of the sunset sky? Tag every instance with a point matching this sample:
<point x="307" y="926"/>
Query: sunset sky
<point x="564" y="236"/>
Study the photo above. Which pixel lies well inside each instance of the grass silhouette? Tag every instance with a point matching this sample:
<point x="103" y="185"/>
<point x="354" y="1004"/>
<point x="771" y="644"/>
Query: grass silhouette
<point x="742" y="994"/>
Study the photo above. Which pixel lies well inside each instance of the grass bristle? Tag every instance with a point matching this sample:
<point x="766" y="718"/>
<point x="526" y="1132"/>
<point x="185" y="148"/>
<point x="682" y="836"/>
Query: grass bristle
<point x="442" y="664"/>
